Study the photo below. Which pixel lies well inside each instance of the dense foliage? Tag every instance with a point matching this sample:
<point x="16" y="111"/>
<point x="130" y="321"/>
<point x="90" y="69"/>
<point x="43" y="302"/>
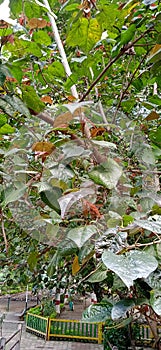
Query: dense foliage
<point x="80" y="149"/>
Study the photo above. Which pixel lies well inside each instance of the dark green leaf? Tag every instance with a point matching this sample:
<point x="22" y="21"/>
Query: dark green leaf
<point x="97" y="312"/>
<point x="121" y="308"/>
<point x="107" y="174"/>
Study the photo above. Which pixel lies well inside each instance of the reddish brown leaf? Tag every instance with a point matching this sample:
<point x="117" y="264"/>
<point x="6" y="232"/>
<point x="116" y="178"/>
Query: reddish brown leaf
<point x="47" y="99"/>
<point x="35" y="23"/>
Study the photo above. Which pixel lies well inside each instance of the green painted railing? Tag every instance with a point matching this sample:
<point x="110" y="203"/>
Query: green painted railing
<point x="75" y="329"/>
<point x="37" y="324"/>
<point x="66" y="329"/>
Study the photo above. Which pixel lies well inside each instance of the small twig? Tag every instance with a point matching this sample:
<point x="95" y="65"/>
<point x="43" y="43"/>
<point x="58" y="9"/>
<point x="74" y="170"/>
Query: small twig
<point x="129" y="83"/>
<point x="4" y="233"/>
<point x="112" y="61"/>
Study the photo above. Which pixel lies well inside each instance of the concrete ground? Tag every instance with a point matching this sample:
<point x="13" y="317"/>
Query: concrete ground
<point x="32" y="342"/>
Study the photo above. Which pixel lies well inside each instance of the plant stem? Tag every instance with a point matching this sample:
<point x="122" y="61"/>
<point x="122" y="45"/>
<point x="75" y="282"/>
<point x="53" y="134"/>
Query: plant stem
<point x="112" y="61"/>
<point x="60" y="46"/>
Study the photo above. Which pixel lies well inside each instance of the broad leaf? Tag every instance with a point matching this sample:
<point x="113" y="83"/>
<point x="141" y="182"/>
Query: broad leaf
<point x="31" y="99"/>
<point x="99" y="275"/>
<point x="69" y="199"/>
<point x="84" y="33"/>
<point x="121" y="308"/>
<point x="6" y="129"/>
<point x="135" y="264"/>
<point x="12" y="195"/>
<point x="97" y="312"/>
<point x="50" y="195"/>
<point x="106" y="174"/>
<point x="80" y="235"/>
<point x="151" y="226"/>
<point x="155" y="301"/>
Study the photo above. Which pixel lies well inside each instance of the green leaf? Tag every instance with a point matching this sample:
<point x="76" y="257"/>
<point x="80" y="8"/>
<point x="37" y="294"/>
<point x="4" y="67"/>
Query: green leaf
<point x="3" y="119"/>
<point x="4" y="72"/>
<point x="16" y="72"/>
<point x="135" y="264"/>
<point x="15" y="7"/>
<point x="42" y="38"/>
<point x="80" y="235"/>
<point x="6" y="129"/>
<point x="56" y="69"/>
<point x="128" y="34"/>
<point x="17" y="104"/>
<point x="31" y="99"/>
<point x="84" y="33"/>
<point x="151" y="226"/>
<point x="155" y="136"/>
<point x="50" y="195"/>
<point x="99" y="275"/>
<point x="32" y="260"/>
<point x="121" y="308"/>
<point x="12" y="195"/>
<point x="155" y="301"/>
<point x="97" y="312"/>
<point x="106" y="174"/>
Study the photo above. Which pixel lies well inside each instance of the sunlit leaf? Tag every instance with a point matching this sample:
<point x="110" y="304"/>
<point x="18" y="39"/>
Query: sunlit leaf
<point x="42" y="37"/>
<point x="97" y="312"/>
<point x="155" y="301"/>
<point x="6" y="129"/>
<point x="152" y="226"/>
<point x="106" y="174"/>
<point x="84" y="33"/>
<point x="121" y="308"/>
<point x="135" y="264"/>
<point x="3" y="119"/>
<point x="13" y="195"/>
<point x="80" y="235"/>
<point x="69" y="199"/>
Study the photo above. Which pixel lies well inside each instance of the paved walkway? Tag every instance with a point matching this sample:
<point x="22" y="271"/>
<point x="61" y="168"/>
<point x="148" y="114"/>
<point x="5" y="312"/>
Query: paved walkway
<point x="32" y="342"/>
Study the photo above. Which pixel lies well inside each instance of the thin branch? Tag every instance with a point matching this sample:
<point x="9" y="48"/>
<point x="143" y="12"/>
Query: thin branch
<point x="129" y="83"/>
<point x="112" y="61"/>
<point x="60" y="46"/>
<point x="99" y="102"/>
<point x="4" y="233"/>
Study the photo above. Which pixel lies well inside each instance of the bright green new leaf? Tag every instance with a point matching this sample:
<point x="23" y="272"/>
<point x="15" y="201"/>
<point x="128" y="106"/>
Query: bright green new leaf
<point x="128" y="34"/>
<point x="84" y="33"/>
<point x="3" y="119"/>
<point x="6" y="129"/>
<point x="135" y="264"/>
<point x="80" y="235"/>
<point x="56" y="69"/>
<point x="106" y="174"/>
<point x="42" y="38"/>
